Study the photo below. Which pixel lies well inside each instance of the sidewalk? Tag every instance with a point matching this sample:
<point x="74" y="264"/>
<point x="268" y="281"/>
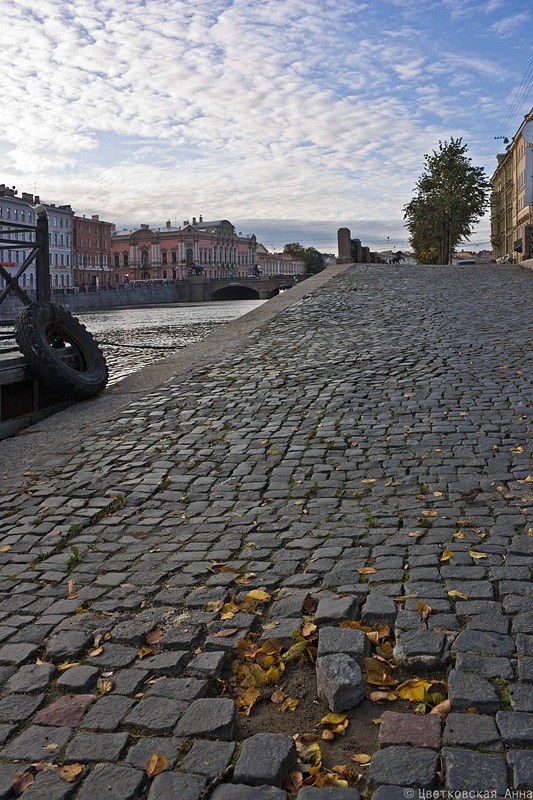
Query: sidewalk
<point x="315" y="455"/>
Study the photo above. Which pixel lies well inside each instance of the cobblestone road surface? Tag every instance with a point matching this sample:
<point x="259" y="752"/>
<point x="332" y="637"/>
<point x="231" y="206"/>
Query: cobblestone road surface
<point x="343" y="435"/>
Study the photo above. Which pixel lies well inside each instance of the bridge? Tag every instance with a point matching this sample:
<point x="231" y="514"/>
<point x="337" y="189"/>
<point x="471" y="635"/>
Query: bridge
<point x="198" y="289"/>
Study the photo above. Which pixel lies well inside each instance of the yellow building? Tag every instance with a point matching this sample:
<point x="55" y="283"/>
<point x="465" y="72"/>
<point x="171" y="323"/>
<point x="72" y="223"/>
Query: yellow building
<point x="511" y="215"/>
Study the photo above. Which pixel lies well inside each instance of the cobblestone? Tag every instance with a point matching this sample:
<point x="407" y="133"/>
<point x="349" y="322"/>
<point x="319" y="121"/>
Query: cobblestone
<point x="320" y="461"/>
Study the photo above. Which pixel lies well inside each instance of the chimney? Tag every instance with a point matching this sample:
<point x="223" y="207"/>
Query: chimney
<point x="201" y="218"/>
<point x="194" y="220"/>
<point x="185" y="222"/>
<point x="95" y="217"/>
<point x="145" y="227"/>
<point x="168" y="223"/>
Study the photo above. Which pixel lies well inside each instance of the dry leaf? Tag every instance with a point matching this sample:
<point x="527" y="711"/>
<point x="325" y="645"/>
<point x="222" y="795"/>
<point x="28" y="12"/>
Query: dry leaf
<point x="442" y="709"/>
<point x="361" y="758"/>
<point x="51" y="746"/>
<point x="69" y="772"/>
<point x="432" y="513"/>
<point x="383" y="697"/>
<point x="423" y="610"/>
<point x="143" y="652"/>
<point x="367" y="571"/>
<point x="457" y="593"/>
<point x="68" y="665"/>
<point x="154" y="636"/>
<point x="474" y="554"/>
<point x="224" y="633"/>
<point x="71" y="590"/>
<point x="413" y="689"/>
<point x="289" y="704"/>
<point x="278" y="696"/>
<point x="96" y="651"/>
<point x="5" y="549"/>
<point x="259" y="595"/>
<point x="447" y="554"/>
<point x="155" y="765"/>
<point x="328" y="735"/>
<point x="104" y="685"/>
<point x="21" y="781"/>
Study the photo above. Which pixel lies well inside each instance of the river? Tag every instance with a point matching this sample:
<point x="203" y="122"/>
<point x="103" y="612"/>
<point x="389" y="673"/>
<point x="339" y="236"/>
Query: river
<point x="132" y="338"/>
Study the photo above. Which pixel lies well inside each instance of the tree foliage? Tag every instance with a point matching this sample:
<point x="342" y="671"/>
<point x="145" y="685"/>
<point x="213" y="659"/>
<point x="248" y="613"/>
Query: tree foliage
<point x="313" y="260"/>
<point x="451" y="196"/>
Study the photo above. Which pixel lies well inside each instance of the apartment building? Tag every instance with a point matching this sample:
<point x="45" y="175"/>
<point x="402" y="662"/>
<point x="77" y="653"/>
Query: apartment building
<point x="511" y="215"/>
<point x="91" y="252"/>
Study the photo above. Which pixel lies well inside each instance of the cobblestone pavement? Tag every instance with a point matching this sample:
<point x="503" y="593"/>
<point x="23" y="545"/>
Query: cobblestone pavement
<point x="343" y="435"/>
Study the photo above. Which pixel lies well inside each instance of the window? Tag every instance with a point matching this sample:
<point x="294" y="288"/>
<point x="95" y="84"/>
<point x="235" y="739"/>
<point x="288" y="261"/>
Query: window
<point x="56" y="260"/>
<point x="1" y="211"/>
<point x="22" y="215"/>
<point x="89" y="261"/>
<point x="60" y="222"/>
<point x="15" y="213"/>
<point x="62" y="260"/>
<point x="104" y="260"/>
<point x="61" y="240"/>
<point x="165" y="259"/>
<point x="29" y="216"/>
<point x="97" y="259"/>
<point x="125" y="259"/>
<point x="117" y="260"/>
<point x="8" y="212"/>
<point x="80" y="259"/>
<point x="55" y="222"/>
<point x="55" y="239"/>
<point x="68" y="260"/>
<point x="174" y="257"/>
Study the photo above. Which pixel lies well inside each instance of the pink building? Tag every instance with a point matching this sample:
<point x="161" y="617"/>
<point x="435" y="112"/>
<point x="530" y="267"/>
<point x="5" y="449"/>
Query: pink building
<point x="279" y="263"/>
<point x="213" y="249"/>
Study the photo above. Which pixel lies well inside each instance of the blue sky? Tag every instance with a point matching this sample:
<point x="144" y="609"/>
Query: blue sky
<point x="290" y="118"/>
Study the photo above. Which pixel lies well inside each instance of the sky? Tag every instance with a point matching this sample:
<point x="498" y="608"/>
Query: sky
<point x="290" y="118"/>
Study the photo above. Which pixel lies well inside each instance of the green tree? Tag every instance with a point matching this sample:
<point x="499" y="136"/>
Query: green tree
<point x="313" y="259"/>
<point x="451" y="196"/>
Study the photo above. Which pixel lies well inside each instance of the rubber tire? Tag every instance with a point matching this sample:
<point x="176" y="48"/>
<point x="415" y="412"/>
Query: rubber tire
<point x="43" y="328"/>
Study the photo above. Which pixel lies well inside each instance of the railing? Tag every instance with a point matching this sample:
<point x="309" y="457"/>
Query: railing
<point x="38" y="252"/>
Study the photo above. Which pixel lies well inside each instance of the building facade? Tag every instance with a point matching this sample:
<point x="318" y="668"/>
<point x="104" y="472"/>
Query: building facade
<point x="278" y="263"/>
<point x="91" y="252"/>
<point x="213" y="249"/>
<point x="17" y="212"/>
<point x="511" y="216"/>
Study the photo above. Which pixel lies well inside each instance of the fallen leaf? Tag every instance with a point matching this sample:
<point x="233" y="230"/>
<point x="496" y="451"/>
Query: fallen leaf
<point x="259" y="595"/>
<point x="69" y="772"/>
<point x="154" y="636"/>
<point x="413" y="689"/>
<point x="21" y="781"/>
<point x="333" y="719"/>
<point x="457" y="593"/>
<point x="427" y="513"/>
<point x="68" y="665"/>
<point x="474" y="554"/>
<point x="223" y="634"/>
<point x="51" y="746"/>
<point x="104" y="685"/>
<point x="143" y="652"/>
<point x="289" y="704"/>
<point x="96" y="651"/>
<point x="383" y="697"/>
<point x="361" y="758"/>
<point x="423" y="610"/>
<point x="278" y="696"/>
<point x="442" y="709"/>
<point x="5" y="549"/>
<point x="328" y="735"/>
<point x="367" y="571"/>
<point x="155" y="765"/>
<point x="447" y="554"/>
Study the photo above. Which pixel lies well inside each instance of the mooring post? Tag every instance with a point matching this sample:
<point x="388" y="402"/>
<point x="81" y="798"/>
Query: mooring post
<point x="344" y="246"/>
<point x="42" y="259"/>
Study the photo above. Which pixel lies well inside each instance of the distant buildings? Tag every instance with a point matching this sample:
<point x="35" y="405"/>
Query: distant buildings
<point x="88" y="253"/>
<point x="213" y="249"/>
<point x="511" y="215"/>
<point x="17" y="212"/>
<point x="278" y="263"/>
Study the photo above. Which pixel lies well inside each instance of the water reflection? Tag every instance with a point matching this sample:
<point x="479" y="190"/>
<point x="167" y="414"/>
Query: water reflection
<point x="132" y="338"/>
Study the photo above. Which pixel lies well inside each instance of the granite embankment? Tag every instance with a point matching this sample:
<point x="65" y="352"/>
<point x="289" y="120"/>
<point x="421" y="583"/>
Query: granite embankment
<point x="307" y="465"/>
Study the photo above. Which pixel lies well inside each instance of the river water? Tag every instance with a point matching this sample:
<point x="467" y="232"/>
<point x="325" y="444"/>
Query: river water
<point x="132" y="338"/>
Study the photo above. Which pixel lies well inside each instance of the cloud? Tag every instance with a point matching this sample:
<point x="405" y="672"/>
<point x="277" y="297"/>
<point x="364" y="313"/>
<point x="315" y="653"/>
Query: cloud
<point x="259" y="109"/>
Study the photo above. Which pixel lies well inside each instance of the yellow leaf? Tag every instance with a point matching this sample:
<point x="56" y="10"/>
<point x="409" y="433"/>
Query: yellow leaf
<point x="51" y="746"/>
<point x="367" y="571"/>
<point x="258" y="594"/>
<point x="328" y="735"/>
<point x="155" y="765"/>
<point x="447" y="554"/>
<point x="415" y="534"/>
<point x="96" y="651"/>
<point x="413" y="689"/>
<point x="361" y="758"/>
<point x="476" y="555"/>
<point x="333" y="719"/>
<point x="104" y="685"/>
<point x="437" y="494"/>
<point x="529" y="479"/>
<point x="143" y="652"/>
<point x="457" y="593"/>
<point x="442" y="709"/>
<point x="429" y="513"/>
<point x="299" y="502"/>
<point x="71" y="590"/>
<point x="5" y="548"/>
<point x="295" y="651"/>
<point x="68" y="665"/>
<point x="423" y="610"/>
<point x="289" y="704"/>
<point x="69" y="772"/>
<point x="369" y="480"/>
<point x="402" y="597"/>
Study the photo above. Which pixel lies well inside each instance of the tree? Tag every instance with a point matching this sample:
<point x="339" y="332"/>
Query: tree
<point x="451" y="197"/>
<point x="313" y="259"/>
